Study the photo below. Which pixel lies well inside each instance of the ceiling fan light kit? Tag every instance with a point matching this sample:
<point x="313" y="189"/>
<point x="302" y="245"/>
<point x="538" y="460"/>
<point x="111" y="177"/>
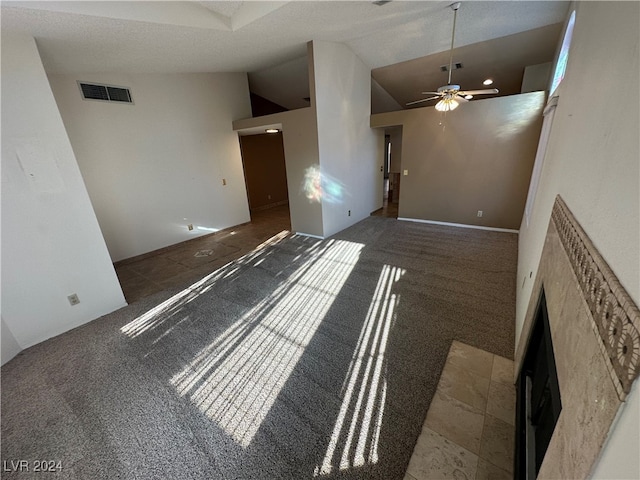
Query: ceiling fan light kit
<point x="447" y="104"/>
<point x="450" y="96"/>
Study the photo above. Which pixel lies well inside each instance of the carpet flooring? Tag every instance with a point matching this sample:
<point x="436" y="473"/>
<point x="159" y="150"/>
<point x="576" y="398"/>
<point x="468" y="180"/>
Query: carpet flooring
<point x="303" y="359"/>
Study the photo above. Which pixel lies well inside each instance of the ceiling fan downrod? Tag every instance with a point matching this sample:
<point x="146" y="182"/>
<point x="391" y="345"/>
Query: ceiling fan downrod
<point x="454" y="6"/>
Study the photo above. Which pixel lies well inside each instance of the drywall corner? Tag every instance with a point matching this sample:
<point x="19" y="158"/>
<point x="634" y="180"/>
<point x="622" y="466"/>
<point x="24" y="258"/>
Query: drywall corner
<point x="9" y="346"/>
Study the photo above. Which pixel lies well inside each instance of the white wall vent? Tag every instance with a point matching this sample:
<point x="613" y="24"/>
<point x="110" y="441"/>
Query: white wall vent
<point x="107" y="93"/>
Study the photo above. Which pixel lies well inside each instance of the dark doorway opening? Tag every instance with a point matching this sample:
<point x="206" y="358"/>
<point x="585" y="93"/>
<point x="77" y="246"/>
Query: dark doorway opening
<point x="264" y="171"/>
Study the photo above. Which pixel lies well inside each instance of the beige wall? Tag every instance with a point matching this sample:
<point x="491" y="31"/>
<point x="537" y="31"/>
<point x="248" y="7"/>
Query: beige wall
<point x="264" y="169"/>
<point x="480" y="158"/>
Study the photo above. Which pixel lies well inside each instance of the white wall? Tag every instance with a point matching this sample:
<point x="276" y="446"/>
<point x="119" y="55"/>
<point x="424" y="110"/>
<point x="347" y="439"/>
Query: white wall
<point x="154" y="167"/>
<point x="592" y="161"/>
<point x="351" y="153"/>
<point x="51" y="242"/>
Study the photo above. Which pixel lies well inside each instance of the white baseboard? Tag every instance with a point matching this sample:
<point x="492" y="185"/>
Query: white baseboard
<point x="460" y="225"/>
<point x="309" y="235"/>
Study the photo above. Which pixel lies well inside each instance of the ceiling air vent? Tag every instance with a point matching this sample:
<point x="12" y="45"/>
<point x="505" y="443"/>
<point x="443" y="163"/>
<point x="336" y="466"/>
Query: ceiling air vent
<point x="456" y="66"/>
<point x="107" y="93"/>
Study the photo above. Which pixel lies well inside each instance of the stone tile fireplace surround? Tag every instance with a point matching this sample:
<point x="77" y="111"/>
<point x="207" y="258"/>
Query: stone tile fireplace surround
<point x="596" y="341"/>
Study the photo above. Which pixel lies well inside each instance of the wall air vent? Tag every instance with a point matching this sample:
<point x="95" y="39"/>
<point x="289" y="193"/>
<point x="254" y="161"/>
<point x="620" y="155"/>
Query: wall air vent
<point x="107" y="93"/>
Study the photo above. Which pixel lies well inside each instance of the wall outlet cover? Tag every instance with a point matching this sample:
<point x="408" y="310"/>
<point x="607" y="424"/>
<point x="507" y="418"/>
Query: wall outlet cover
<point x="73" y="299"/>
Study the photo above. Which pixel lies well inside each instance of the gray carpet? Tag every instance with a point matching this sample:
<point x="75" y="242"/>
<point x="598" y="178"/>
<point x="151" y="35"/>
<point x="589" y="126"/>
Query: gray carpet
<point x="307" y="359"/>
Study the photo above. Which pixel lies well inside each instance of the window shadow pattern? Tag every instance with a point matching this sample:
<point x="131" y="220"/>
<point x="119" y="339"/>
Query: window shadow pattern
<point x="303" y="359"/>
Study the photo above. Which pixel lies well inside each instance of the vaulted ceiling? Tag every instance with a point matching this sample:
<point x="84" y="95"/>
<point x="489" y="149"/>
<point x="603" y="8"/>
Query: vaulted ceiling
<point x="260" y="36"/>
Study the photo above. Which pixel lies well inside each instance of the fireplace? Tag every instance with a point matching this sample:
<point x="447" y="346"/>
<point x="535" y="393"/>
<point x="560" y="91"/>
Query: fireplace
<point x="584" y="322"/>
<point x="538" y="403"/>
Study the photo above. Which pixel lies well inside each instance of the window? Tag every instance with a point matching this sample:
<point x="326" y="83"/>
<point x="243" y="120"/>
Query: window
<point x="563" y="57"/>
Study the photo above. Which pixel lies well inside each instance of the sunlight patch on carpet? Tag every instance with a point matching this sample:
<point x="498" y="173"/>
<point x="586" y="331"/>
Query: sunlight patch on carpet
<point x="355" y="437"/>
<point x="165" y="310"/>
<point x="236" y="379"/>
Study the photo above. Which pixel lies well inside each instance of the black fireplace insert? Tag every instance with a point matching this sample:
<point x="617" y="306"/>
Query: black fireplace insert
<point x="538" y="403"/>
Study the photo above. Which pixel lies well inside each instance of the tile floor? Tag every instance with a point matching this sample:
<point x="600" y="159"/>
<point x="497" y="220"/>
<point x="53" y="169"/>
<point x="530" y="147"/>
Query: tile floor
<point x="387" y="210"/>
<point x="469" y="429"/>
<point x="191" y="260"/>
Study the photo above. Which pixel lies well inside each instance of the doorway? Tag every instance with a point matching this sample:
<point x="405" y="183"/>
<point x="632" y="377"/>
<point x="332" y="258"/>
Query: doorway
<point x="391" y="169"/>
<point x="264" y="171"/>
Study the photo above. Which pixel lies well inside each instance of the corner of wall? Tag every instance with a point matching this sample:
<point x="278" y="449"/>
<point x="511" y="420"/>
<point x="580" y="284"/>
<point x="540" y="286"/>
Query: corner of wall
<point x="9" y="346"/>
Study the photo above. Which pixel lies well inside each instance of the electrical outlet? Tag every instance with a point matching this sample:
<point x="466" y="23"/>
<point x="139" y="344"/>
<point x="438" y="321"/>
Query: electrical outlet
<point x="190" y="226"/>
<point x="406" y="172"/>
<point x="479" y="213"/>
<point x="224" y="181"/>
<point x="349" y="214"/>
<point x="73" y="299"/>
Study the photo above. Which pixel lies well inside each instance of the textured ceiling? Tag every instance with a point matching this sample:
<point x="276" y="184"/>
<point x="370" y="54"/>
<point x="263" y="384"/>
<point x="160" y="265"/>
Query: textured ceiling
<point x="264" y="38"/>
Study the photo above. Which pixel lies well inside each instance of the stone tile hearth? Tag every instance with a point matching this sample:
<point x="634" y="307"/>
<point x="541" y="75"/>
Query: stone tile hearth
<point x="469" y="429"/>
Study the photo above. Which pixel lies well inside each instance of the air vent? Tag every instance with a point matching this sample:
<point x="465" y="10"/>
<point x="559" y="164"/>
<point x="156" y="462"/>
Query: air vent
<point x="106" y="93"/>
<point x="456" y="66"/>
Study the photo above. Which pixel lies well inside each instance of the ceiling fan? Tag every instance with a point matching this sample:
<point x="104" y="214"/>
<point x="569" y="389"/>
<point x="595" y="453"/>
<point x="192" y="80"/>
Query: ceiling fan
<point x="450" y="95"/>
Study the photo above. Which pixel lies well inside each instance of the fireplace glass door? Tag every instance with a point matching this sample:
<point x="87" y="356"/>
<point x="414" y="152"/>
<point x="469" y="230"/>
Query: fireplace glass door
<point x="538" y="398"/>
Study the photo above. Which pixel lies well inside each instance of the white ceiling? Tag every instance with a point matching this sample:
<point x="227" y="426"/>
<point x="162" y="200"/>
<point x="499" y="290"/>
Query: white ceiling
<point x="265" y="38"/>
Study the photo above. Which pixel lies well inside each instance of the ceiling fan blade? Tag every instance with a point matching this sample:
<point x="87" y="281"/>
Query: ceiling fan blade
<point x="420" y="101"/>
<point x="486" y="91"/>
<point x="430" y="93"/>
<point x="461" y="99"/>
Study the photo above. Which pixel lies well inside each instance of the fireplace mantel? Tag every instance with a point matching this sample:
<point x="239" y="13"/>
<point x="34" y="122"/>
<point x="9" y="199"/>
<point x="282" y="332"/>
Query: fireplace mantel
<point x="596" y="341"/>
